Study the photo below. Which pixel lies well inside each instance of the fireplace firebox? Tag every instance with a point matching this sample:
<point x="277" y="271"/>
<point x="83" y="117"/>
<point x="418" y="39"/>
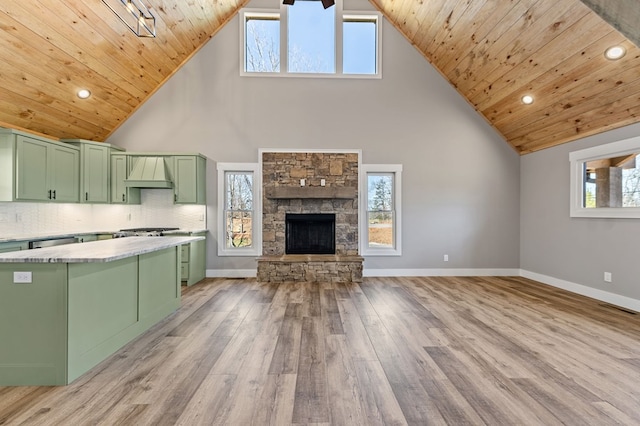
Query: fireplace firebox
<point x="310" y="233"/>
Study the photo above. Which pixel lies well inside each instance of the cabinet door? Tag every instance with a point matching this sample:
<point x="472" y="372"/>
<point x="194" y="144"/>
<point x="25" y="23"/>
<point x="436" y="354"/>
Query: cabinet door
<point x="65" y="174"/>
<point x="120" y="194"/>
<point x="118" y="175"/>
<point x="32" y="169"/>
<point x="189" y="180"/>
<point x="95" y="174"/>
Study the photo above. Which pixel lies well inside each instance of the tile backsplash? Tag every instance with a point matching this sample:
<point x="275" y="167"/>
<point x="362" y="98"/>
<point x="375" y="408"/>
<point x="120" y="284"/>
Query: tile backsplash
<point x="157" y="209"/>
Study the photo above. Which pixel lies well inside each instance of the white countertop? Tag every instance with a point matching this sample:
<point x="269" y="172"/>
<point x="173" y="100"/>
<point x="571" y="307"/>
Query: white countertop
<point x="95" y="251"/>
<point x="45" y="236"/>
<point x="64" y="234"/>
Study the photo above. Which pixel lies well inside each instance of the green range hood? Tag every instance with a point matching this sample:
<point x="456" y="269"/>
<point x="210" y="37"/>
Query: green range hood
<point x="149" y="172"/>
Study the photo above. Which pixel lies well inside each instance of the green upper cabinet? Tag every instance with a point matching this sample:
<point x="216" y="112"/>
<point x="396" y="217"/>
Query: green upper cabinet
<point x="189" y="175"/>
<point x="65" y="174"/>
<point x="94" y="170"/>
<point x="37" y="169"/>
<point x="120" y="193"/>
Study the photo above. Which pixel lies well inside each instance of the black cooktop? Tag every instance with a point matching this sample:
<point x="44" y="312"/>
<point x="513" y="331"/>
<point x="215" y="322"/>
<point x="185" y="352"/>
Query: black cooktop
<point x="148" y="229"/>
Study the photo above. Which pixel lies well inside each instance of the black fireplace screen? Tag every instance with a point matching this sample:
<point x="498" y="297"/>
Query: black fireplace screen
<point x="309" y="233"/>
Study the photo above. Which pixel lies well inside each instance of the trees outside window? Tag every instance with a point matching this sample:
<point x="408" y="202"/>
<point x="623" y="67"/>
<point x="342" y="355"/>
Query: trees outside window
<point x="381" y="231"/>
<point x="239" y="209"/>
<point x="240" y="226"/>
<point x="306" y="39"/>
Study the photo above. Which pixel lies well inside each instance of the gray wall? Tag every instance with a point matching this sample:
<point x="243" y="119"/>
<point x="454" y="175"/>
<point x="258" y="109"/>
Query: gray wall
<point x="578" y="250"/>
<point x="460" y="180"/>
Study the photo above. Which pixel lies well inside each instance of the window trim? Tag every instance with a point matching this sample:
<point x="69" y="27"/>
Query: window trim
<point x="340" y="16"/>
<point x="367" y="169"/>
<point x="578" y="158"/>
<point x="256" y="237"/>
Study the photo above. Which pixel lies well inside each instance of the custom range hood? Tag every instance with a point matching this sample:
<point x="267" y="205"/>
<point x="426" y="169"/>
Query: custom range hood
<point x="149" y="172"/>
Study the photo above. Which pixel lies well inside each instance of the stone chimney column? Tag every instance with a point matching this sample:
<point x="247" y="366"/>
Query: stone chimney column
<point x="609" y="187"/>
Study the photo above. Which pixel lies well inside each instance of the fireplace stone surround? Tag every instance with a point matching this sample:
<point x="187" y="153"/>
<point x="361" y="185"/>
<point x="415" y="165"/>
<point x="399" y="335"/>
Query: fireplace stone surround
<point x="282" y="193"/>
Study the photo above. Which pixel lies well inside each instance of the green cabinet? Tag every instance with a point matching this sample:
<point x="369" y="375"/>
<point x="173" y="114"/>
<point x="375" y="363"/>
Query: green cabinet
<point x="46" y="171"/>
<point x="95" y="170"/>
<point x="74" y="315"/>
<point x="189" y="179"/>
<point x="37" y="169"/>
<point x="13" y="246"/>
<point x="193" y="258"/>
<point x="120" y="169"/>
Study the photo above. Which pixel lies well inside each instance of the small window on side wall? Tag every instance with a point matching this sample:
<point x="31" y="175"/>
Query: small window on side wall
<point x="381" y="228"/>
<point x="605" y="180"/>
<point x="239" y="221"/>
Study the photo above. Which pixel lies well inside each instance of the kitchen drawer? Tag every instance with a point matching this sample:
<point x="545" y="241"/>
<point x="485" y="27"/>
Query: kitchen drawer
<point x="184" y="271"/>
<point x="185" y="253"/>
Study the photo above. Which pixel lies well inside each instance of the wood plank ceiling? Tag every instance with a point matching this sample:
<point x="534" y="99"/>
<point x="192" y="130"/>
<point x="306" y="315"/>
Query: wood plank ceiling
<point x="492" y="51"/>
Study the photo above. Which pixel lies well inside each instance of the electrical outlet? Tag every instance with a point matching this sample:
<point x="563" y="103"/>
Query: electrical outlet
<point x="22" y="277"/>
<point x="446" y="257"/>
<point x="607" y="277"/>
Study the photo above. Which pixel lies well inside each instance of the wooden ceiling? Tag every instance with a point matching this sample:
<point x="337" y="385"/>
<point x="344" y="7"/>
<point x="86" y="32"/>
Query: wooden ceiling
<point x="492" y="51"/>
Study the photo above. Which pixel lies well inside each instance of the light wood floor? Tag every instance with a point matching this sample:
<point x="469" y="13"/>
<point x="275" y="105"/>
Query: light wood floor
<point x="393" y="351"/>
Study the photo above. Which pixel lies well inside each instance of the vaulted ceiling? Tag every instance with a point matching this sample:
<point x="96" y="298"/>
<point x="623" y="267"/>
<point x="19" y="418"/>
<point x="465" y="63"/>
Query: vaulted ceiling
<point x="492" y="51"/>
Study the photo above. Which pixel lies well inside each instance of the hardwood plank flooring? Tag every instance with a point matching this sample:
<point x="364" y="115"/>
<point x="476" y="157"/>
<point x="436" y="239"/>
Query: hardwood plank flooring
<point x="388" y="351"/>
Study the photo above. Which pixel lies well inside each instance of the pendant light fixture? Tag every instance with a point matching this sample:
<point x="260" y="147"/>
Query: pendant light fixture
<point x="135" y="15"/>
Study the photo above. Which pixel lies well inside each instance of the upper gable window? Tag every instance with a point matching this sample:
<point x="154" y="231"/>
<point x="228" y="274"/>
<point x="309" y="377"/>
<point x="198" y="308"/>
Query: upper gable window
<point x="306" y="40"/>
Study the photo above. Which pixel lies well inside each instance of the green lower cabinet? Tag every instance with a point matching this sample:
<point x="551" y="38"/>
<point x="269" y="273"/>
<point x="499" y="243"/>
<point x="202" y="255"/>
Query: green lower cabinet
<point x="194" y="258"/>
<point x="14" y="246"/>
<point x="33" y="326"/>
<point x="103" y="311"/>
<point x="159" y="290"/>
<point x="73" y="316"/>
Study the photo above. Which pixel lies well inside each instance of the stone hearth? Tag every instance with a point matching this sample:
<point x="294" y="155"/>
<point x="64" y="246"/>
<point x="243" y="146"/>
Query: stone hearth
<point x="282" y="172"/>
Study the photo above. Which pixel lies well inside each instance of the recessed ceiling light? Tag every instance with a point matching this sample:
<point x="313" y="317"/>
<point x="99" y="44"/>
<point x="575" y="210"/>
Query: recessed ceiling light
<point x="527" y="99"/>
<point x="83" y="93"/>
<point x="615" y="52"/>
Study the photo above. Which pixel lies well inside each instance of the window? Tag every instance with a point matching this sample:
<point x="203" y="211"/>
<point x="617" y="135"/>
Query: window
<point x="605" y="180"/>
<point x="306" y="40"/>
<point x="239" y="222"/>
<point x="380" y="230"/>
<point x="262" y="42"/>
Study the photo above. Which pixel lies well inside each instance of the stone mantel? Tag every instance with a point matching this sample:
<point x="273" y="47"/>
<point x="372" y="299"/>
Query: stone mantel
<point x="303" y="192"/>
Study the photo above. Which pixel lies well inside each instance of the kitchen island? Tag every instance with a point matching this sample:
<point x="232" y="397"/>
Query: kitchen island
<point x="64" y="309"/>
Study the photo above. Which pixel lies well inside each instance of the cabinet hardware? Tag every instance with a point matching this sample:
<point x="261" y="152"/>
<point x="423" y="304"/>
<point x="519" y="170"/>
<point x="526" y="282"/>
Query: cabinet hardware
<point x="49" y="194"/>
<point x="54" y="194"/>
<point x="86" y="196"/>
<point x="123" y="197"/>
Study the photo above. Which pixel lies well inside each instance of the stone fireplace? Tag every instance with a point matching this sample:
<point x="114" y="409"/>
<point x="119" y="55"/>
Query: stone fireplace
<point x="307" y="188"/>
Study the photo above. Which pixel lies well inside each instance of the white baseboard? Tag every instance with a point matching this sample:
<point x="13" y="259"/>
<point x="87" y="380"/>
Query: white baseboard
<point x="594" y="293"/>
<point x="480" y="272"/>
<point x="232" y="273"/>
